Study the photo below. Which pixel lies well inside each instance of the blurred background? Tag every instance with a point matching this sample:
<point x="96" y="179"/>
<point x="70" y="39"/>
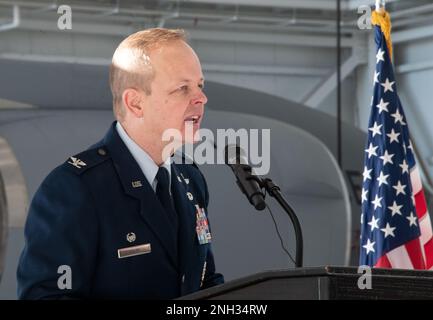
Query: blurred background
<point x="302" y="68"/>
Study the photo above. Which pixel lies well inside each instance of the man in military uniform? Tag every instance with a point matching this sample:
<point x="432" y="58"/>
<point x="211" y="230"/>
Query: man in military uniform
<point x="122" y="218"/>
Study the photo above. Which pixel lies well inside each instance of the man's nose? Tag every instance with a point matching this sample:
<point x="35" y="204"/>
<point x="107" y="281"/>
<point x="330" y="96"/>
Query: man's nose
<point x="200" y="97"/>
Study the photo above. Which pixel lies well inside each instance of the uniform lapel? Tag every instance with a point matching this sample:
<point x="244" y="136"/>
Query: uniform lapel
<point x="136" y="185"/>
<point x="187" y="220"/>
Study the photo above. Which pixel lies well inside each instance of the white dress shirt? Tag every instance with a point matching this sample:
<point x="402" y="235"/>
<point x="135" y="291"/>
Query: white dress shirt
<point x="145" y="162"/>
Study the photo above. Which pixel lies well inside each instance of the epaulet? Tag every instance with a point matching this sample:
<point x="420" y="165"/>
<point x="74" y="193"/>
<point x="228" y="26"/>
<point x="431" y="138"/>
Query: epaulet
<point x="87" y="159"/>
<point x="182" y="158"/>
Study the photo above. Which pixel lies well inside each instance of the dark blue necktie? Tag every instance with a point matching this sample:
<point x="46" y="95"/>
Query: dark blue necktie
<point x="164" y="196"/>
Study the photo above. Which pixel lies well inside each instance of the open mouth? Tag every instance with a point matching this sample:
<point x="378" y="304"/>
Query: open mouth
<point x="194" y="119"/>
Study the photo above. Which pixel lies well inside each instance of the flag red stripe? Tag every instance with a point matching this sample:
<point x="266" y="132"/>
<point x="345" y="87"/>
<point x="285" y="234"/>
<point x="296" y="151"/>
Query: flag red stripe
<point x="421" y="204"/>
<point x="414" y="251"/>
<point x="428" y="249"/>
<point x="383" y="262"/>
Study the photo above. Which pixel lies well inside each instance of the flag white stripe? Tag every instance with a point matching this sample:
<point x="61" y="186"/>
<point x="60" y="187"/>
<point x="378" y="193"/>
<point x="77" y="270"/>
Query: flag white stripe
<point x="426" y="229"/>
<point x="424" y="258"/>
<point x="415" y="178"/>
<point x="399" y="258"/>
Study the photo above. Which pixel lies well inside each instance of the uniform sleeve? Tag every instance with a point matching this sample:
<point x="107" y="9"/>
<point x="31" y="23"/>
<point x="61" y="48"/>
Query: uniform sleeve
<point x="211" y="278"/>
<point x="61" y="230"/>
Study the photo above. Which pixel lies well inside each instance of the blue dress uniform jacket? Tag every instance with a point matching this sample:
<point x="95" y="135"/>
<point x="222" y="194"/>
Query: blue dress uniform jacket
<point x="98" y="202"/>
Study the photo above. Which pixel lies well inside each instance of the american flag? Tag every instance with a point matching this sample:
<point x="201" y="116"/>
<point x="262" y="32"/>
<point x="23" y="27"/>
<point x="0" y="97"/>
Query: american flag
<point x="396" y="230"/>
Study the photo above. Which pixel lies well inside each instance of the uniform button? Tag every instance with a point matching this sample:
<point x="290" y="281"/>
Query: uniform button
<point x="102" y="152"/>
<point x="183" y="278"/>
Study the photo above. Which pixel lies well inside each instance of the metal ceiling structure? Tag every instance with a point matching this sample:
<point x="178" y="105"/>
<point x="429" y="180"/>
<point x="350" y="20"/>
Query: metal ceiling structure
<point x="306" y="23"/>
<point x="312" y="16"/>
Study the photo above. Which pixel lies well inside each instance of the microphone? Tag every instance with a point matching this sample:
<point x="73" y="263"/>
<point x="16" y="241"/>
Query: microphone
<point x="236" y="159"/>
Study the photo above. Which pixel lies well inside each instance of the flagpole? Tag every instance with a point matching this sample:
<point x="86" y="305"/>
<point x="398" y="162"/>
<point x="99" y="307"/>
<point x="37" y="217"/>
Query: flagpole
<point x="339" y="129"/>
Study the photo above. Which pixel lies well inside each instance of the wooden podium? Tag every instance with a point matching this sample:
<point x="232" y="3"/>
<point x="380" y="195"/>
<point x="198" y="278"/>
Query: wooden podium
<point x="322" y="283"/>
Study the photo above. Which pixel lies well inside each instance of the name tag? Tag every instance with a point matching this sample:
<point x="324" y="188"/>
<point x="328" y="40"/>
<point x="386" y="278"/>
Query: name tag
<point x="134" y="251"/>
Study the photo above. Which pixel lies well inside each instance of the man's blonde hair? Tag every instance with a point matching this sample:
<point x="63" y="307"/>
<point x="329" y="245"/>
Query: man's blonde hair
<point x="131" y="66"/>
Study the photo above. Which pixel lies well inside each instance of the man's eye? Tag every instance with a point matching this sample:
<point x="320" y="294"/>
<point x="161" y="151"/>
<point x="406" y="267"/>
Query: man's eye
<point x="201" y="86"/>
<point x="184" y="88"/>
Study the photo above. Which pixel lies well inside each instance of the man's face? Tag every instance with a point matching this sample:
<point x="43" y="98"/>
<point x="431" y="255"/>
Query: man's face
<point x="177" y="99"/>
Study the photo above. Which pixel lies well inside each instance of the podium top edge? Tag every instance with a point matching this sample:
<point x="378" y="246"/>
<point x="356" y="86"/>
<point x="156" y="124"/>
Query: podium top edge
<point x="325" y="271"/>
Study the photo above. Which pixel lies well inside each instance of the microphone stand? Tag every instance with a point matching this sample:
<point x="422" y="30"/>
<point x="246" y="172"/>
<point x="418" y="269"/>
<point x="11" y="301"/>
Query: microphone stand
<point x="274" y="192"/>
<point x="243" y="172"/>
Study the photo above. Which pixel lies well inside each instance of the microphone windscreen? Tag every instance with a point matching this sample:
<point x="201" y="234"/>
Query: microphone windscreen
<point x="233" y="154"/>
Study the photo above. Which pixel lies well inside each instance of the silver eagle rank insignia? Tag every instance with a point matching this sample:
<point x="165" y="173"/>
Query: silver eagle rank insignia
<point x="77" y="162"/>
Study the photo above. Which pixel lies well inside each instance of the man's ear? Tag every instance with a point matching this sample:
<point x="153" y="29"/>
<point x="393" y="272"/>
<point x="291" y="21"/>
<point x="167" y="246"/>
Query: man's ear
<point x="132" y="101"/>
